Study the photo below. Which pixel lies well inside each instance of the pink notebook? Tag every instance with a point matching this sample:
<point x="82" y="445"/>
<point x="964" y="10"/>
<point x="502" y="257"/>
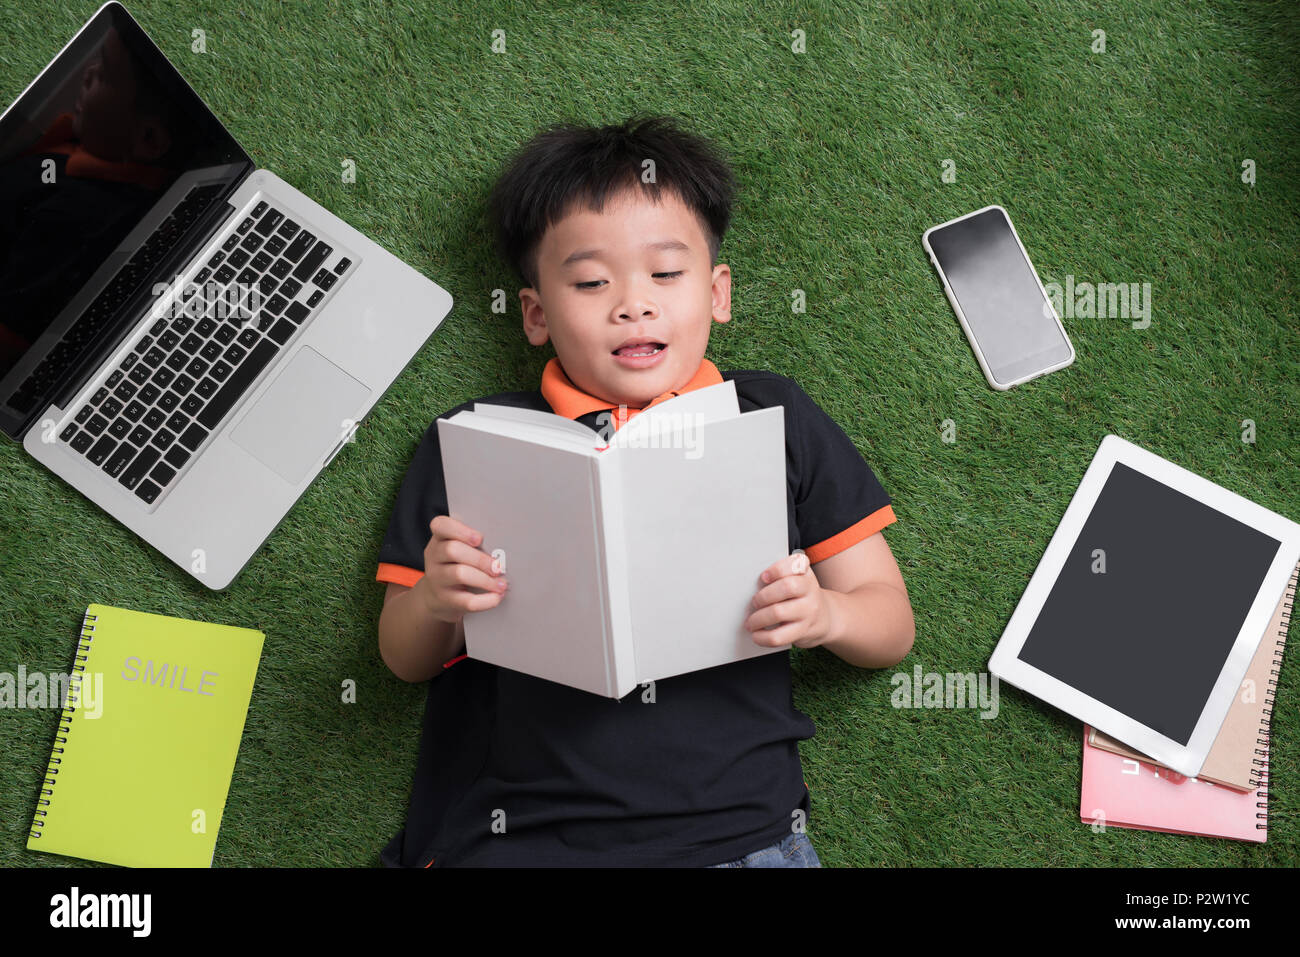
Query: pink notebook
<point x="1121" y="792"/>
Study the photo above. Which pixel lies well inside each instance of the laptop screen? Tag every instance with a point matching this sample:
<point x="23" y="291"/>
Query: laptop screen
<point x="106" y="162"/>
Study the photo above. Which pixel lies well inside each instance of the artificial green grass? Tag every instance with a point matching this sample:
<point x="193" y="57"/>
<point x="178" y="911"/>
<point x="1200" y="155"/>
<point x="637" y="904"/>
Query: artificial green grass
<point x="1121" y="166"/>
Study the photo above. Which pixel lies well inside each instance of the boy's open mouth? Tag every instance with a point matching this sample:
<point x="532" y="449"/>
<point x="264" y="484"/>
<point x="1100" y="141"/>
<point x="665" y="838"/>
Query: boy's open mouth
<point x="639" y="347"/>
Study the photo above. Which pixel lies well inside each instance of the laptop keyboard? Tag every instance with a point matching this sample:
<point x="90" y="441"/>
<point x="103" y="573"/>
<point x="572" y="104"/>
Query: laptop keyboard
<point x="189" y="369"/>
<point x="62" y="357"/>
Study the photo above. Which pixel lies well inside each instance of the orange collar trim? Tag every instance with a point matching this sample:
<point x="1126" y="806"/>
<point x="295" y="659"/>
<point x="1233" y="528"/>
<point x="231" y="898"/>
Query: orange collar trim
<point x="571" y="402"/>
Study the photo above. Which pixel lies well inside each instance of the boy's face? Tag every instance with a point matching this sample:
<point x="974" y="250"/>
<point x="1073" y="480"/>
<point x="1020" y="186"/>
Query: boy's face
<point x="637" y="271"/>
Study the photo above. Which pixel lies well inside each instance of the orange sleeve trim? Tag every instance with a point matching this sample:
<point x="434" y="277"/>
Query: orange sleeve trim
<point x="398" y="574"/>
<point x="855" y="533"/>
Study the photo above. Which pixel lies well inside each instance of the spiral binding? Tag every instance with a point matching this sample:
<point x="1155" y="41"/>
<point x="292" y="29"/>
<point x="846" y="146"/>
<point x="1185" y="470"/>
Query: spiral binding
<point x="1260" y="782"/>
<point x="65" y="723"/>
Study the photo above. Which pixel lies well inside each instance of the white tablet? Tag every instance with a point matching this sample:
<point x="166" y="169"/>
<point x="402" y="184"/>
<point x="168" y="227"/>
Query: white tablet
<point x="1147" y="607"/>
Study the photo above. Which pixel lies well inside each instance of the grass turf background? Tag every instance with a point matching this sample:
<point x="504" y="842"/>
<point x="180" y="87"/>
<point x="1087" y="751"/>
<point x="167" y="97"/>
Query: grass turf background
<point x="1121" y="166"/>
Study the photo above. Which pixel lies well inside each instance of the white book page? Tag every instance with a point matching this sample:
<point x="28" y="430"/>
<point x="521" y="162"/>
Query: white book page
<point x="572" y="435"/>
<point x="698" y="531"/>
<point x="689" y="410"/>
<point x="535" y="503"/>
<point x="546" y="420"/>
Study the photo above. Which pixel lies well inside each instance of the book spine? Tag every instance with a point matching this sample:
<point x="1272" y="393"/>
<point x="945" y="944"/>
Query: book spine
<point x="1260" y="761"/>
<point x="66" y="722"/>
<point x="611" y="545"/>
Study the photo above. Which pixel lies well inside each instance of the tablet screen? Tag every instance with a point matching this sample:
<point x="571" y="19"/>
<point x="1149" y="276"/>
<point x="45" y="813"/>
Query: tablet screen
<point x="1150" y="602"/>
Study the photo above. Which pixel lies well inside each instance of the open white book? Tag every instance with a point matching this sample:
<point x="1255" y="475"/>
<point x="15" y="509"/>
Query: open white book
<point x="627" y="562"/>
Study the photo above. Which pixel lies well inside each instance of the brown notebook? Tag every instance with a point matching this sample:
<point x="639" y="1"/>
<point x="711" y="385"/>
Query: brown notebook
<point x="1239" y="755"/>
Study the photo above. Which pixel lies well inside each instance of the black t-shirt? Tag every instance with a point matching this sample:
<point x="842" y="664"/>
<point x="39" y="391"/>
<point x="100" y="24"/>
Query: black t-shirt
<point x="705" y="772"/>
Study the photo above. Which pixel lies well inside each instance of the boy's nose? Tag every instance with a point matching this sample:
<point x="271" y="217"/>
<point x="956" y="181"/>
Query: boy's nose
<point x="638" y="300"/>
<point x="635" y="312"/>
<point x="638" y="307"/>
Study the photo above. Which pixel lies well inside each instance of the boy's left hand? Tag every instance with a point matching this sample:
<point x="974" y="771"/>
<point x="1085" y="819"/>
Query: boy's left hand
<point x="792" y="599"/>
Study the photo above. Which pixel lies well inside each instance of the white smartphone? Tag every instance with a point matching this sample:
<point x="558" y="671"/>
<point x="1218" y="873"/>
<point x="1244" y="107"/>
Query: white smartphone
<point x="1000" y="302"/>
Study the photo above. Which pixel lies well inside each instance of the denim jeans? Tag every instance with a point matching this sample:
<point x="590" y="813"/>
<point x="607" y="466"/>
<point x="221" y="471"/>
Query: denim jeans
<point x="793" y="851"/>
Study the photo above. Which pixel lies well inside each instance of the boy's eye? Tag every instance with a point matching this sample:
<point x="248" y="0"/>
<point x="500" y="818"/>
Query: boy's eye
<point x="659" y="275"/>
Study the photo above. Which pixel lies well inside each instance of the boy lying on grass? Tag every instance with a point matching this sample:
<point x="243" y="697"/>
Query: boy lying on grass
<point x="620" y="276"/>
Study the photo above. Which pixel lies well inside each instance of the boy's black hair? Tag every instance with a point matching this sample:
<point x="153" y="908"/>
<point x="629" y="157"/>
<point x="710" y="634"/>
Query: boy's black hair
<point x="567" y="164"/>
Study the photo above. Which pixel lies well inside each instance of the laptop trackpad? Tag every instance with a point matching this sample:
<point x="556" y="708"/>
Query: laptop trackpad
<point x="300" y="418"/>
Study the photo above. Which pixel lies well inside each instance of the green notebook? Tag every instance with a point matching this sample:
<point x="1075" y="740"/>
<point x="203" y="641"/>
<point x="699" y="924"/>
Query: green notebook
<point x="147" y="740"/>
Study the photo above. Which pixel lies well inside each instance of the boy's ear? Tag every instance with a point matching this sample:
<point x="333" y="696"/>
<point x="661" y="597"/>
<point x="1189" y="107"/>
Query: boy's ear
<point x="534" y="316"/>
<point x="721" y="293"/>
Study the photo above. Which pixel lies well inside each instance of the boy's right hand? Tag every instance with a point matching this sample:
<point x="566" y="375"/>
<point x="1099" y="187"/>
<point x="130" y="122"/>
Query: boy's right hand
<point x="453" y="565"/>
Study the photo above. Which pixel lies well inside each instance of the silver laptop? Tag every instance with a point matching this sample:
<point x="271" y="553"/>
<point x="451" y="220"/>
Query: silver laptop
<point x="185" y="339"/>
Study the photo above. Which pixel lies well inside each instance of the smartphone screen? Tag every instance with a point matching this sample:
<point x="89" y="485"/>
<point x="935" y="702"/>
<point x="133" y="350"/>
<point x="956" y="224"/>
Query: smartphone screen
<point x="994" y="284"/>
